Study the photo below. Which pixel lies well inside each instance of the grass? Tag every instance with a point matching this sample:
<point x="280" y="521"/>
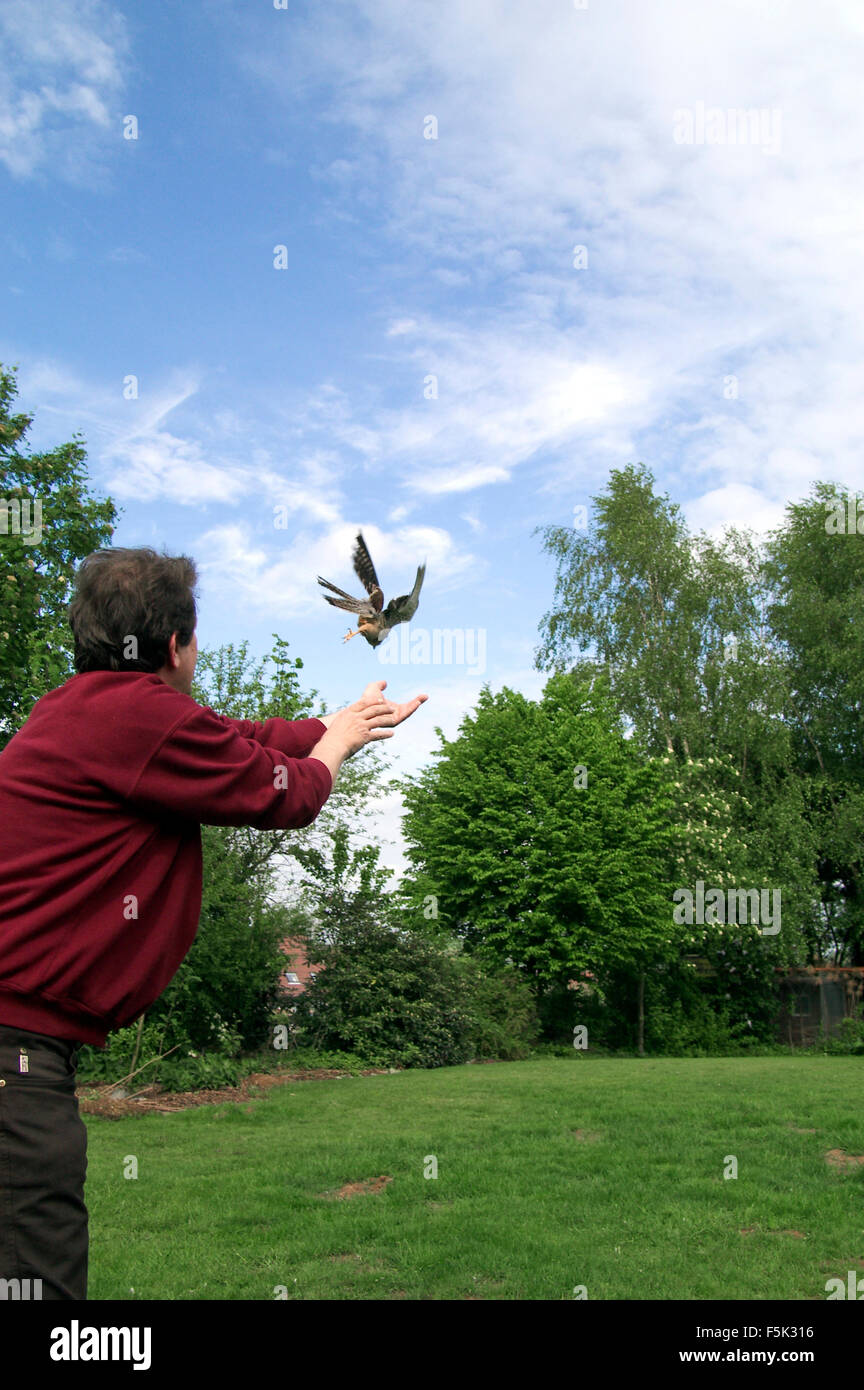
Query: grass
<point x="552" y="1173"/>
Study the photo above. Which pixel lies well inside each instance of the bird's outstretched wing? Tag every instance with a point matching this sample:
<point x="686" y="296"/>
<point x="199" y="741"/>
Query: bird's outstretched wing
<point x="400" y="610"/>
<point x="365" y="572"/>
<point x="351" y="605"/>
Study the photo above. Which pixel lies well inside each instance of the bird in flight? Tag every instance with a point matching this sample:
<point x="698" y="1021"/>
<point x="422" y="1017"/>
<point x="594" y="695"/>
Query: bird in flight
<point x="374" y="621"/>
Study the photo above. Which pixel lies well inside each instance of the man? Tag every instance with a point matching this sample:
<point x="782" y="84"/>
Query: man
<point x="102" y="795"/>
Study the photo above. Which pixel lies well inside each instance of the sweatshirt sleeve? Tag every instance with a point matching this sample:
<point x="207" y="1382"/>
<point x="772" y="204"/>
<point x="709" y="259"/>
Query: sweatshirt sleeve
<point x="296" y="737"/>
<point x="204" y="770"/>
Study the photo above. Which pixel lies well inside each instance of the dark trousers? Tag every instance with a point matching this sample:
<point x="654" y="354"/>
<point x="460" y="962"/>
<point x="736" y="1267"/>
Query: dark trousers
<point x="43" y="1164"/>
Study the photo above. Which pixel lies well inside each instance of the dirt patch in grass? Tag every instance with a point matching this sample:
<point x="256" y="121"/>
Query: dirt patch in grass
<point x="358" y="1189"/>
<point x="586" y="1136"/>
<point x="99" y="1100"/>
<point x="842" y="1161"/>
<point x="831" y="1266"/>
<point x="756" y="1230"/>
<point x="796" y="1130"/>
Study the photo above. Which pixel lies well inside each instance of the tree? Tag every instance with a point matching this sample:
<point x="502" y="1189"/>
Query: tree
<point x="233" y="683"/>
<point x="543" y="836"/>
<point x="342" y="885"/>
<point x="224" y="994"/>
<point x="226" y="989"/>
<point x="48" y="522"/>
<point x="677" y="620"/>
<point x="816" y="568"/>
<point x="681" y="624"/>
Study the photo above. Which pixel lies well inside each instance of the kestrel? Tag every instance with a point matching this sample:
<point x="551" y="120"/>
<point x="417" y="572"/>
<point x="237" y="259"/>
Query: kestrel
<point x="373" y="619"/>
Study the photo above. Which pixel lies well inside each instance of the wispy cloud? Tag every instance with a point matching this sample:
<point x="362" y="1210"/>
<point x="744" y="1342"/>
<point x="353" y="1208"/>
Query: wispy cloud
<point x="164" y="445"/>
<point x="274" y="573"/>
<point x="59" y="85"/>
<point x="486" y="401"/>
<point x="704" y="261"/>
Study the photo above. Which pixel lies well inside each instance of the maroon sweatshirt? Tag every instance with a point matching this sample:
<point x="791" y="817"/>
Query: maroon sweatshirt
<point x="102" y="795"/>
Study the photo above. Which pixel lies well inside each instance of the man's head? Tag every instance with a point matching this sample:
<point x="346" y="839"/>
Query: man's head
<point x="134" y="610"/>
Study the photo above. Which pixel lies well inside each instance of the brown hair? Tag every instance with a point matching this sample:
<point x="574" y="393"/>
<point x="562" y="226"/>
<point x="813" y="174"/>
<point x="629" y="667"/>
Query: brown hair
<point x="131" y="593"/>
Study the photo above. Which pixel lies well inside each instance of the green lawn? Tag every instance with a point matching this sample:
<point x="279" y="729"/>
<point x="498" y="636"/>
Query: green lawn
<point x="552" y="1173"/>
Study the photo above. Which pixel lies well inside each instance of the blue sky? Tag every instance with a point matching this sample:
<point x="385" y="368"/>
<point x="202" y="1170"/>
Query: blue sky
<point x="731" y="255"/>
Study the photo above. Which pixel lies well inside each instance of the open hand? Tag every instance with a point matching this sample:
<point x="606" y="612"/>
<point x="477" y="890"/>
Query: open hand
<point x="372" y="695"/>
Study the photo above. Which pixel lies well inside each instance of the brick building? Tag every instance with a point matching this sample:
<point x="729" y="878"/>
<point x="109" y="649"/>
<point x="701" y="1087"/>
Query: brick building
<point x="298" y="971"/>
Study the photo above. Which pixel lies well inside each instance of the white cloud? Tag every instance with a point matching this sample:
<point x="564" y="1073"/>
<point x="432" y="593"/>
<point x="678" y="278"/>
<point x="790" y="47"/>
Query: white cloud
<point x="59" y="85"/>
<point x="204" y="457"/>
<point x="735" y="505"/>
<point x="460" y="479"/>
<point x="556" y="129"/>
<point x="278" y="576"/>
<point x="501" y="399"/>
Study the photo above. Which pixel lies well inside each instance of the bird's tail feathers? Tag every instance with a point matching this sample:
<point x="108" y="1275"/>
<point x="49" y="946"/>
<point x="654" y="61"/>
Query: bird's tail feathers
<point x="350" y="605"/>
<point x="334" y="589"/>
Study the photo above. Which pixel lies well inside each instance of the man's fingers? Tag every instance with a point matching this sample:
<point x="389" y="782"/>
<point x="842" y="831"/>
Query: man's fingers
<point x="373" y="711"/>
<point x="382" y="715"/>
<point x="403" y="711"/>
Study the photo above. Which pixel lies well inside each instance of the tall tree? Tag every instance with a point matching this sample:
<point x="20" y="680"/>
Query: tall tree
<point x="541" y="835"/>
<point x="49" y="521"/>
<point x="234" y="683"/>
<point x="816" y="567"/>
<point x="676" y="619"/>
<point x="681" y="624"/>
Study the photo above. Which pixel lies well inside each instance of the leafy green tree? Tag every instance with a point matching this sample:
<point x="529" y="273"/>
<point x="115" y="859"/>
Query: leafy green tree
<point x="659" y="608"/>
<point x="392" y="997"/>
<point x="815" y="566"/>
<point x="342" y="884"/>
<point x="681" y="624"/>
<point x="224" y="994"/>
<point x="234" y="683"/>
<point x="48" y="522"/>
<point x="542" y="836"/>
<point x="389" y="994"/>
<point x="502" y="1008"/>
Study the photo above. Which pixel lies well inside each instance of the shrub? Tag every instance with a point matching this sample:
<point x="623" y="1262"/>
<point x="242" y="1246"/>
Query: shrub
<point x="399" y="998"/>
<point x="98" y="1066"/>
<point x="502" y="1010"/>
<point x="200" y="1071"/>
<point x="222" y="996"/>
